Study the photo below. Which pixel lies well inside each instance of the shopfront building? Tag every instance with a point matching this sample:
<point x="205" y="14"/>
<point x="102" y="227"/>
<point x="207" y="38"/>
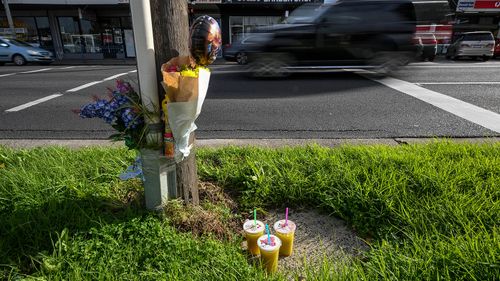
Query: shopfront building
<point x="240" y="17"/>
<point x="71" y="29"/>
<point x="477" y="15"/>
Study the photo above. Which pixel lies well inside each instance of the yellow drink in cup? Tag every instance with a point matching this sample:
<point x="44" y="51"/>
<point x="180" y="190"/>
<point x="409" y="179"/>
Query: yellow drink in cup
<point x="269" y="253"/>
<point x="286" y="234"/>
<point x="252" y="233"/>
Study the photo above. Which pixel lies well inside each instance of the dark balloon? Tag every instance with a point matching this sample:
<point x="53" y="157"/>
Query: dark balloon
<point x="205" y="40"/>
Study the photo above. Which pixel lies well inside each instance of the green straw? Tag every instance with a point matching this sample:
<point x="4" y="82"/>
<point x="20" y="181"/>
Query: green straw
<point x="255" y="217"/>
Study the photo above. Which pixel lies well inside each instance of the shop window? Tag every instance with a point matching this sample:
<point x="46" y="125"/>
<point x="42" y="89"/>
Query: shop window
<point x="70" y="35"/>
<point x="26" y="30"/>
<point x="44" y="33"/>
<point x="112" y="37"/>
<point x="240" y="26"/>
<point x="90" y="37"/>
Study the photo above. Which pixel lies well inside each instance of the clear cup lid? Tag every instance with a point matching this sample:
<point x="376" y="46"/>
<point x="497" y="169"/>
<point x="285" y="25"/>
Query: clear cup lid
<point x="280" y="226"/>
<point x="263" y="243"/>
<point x="250" y="227"/>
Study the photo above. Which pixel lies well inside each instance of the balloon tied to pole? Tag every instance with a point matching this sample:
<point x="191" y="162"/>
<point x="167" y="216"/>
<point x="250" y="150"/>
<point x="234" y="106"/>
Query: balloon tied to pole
<point x="185" y="81"/>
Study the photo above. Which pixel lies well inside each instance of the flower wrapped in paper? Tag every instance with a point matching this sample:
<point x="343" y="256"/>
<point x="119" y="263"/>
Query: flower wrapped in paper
<point x="185" y="80"/>
<point x="186" y="86"/>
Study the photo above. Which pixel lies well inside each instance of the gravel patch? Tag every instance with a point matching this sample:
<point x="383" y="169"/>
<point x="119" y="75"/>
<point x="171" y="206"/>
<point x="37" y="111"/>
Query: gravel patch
<point x="317" y="237"/>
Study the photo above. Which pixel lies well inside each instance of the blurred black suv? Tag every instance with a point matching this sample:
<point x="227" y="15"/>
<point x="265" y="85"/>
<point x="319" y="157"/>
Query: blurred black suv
<point x="368" y="34"/>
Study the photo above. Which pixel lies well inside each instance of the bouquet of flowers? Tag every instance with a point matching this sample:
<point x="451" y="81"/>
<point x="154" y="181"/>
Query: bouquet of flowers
<point x="186" y="85"/>
<point x="123" y="110"/>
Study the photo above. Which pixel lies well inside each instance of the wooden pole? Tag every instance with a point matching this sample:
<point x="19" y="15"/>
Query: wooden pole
<point x="171" y="39"/>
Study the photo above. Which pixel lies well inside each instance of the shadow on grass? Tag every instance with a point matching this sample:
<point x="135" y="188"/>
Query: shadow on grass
<point x="26" y="233"/>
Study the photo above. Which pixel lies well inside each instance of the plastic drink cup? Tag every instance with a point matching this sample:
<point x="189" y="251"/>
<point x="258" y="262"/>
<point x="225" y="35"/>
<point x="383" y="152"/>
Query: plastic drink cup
<point x="269" y="253"/>
<point x="252" y="233"/>
<point x="286" y="234"/>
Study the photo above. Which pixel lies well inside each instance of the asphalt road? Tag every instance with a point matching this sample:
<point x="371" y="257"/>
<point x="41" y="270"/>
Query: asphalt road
<point x="439" y="99"/>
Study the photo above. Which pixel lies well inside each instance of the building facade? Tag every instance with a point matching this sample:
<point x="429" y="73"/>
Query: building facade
<point x="74" y="29"/>
<point x="477" y="15"/>
<point x="100" y="29"/>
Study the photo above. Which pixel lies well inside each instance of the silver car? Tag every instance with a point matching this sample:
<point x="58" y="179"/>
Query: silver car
<point x="477" y="44"/>
<point x="19" y="52"/>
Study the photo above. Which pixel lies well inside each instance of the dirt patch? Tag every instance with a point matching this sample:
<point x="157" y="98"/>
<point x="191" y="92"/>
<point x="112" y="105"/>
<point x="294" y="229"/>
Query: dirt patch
<point x="318" y="236"/>
<point x="215" y="216"/>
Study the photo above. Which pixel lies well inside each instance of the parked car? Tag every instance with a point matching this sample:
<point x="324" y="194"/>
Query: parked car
<point x="477" y="44"/>
<point x="496" y="52"/>
<point x="238" y="50"/>
<point x="372" y="34"/>
<point x="427" y="45"/>
<point x="20" y="53"/>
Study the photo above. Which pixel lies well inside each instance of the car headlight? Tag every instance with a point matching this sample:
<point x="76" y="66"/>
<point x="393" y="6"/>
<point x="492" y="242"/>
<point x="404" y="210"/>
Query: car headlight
<point x="34" y="53"/>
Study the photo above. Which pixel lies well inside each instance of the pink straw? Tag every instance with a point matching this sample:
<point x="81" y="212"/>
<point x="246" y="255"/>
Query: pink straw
<point x="286" y="217"/>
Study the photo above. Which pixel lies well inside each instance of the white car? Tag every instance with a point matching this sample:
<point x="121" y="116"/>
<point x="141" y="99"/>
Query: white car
<point x="477" y="44"/>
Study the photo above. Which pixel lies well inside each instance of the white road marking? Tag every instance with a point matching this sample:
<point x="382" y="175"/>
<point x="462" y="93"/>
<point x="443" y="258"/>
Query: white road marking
<point x="37" y="70"/>
<point x="68" y="67"/>
<point x="53" y="96"/>
<point x="83" y="86"/>
<point x="463" y="66"/>
<point x="459" y="83"/>
<point x="467" y="111"/>
<point x="115" y="76"/>
<point x="5" y="75"/>
<point x="32" y="103"/>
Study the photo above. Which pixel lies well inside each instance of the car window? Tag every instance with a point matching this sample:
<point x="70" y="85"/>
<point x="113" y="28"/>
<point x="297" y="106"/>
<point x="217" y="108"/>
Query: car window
<point x="306" y="13"/>
<point x="18" y="43"/>
<point x="478" y="37"/>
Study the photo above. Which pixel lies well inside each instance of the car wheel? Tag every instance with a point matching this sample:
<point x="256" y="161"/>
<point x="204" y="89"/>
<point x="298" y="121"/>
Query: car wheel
<point x="485" y="58"/>
<point x="386" y="63"/>
<point x="431" y="58"/>
<point x="19" y="60"/>
<point x="270" y="66"/>
<point x="2" y="63"/>
<point x="241" y="58"/>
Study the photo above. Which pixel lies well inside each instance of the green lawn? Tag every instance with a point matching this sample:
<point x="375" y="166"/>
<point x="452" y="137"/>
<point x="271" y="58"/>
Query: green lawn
<point x="430" y="212"/>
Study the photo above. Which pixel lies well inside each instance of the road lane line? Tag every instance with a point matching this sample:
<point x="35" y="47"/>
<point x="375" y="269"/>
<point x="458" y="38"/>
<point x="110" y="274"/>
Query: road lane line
<point x="32" y="103"/>
<point x="467" y="111"/>
<point x="115" y="76"/>
<point x="53" y="96"/>
<point x="68" y="67"/>
<point x="9" y="74"/>
<point x="83" y="86"/>
<point x="37" y="70"/>
<point x="459" y="83"/>
<point x="453" y="66"/>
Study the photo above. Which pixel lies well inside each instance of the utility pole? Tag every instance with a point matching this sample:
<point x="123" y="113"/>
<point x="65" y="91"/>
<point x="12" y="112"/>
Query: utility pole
<point x="171" y="39"/>
<point x="9" y="18"/>
<point x="159" y="181"/>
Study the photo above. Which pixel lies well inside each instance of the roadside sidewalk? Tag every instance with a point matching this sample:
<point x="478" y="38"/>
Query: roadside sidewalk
<point x="269" y="143"/>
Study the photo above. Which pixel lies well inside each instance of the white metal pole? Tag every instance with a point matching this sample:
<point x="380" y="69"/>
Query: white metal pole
<point x="159" y="176"/>
<point x="9" y="18"/>
<point x="145" y="52"/>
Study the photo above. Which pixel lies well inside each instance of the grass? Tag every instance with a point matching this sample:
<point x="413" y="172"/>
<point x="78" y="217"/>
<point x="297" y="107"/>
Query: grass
<point x="429" y="212"/>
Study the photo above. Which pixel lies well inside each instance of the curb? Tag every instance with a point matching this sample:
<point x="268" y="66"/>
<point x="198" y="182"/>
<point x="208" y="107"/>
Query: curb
<point x="268" y="143"/>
